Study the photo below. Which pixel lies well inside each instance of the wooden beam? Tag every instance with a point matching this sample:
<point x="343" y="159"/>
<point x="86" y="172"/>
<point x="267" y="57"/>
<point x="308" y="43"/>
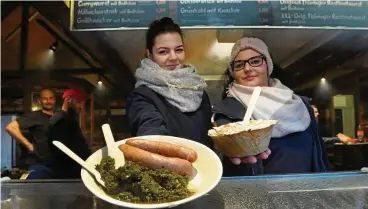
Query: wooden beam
<point x="7" y="7"/>
<point x="11" y="74"/>
<point x="357" y="101"/>
<point x="350" y="78"/>
<point x="336" y="59"/>
<point x="55" y="80"/>
<point x="59" y="38"/>
<point x="330" y="75"/>
<point x="310" y="46"/>
<point x="92" y="119"/>
<point x="330" y="55"/>
<point x="93" y="43"/>
<point x="339" y="79"/>
<point x="24" y="37"/>
<point x="37" y="72"/>
<point x="23" y="56"/>
<point x="16" y="30"/>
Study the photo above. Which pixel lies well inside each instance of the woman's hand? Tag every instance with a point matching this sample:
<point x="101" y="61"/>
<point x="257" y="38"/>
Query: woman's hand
<point x="250" y="159"/>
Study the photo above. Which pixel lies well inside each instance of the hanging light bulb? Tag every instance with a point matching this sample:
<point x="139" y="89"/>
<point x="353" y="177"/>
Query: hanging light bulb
<point x="99" y="80"/>
<point x="54" y="46"/>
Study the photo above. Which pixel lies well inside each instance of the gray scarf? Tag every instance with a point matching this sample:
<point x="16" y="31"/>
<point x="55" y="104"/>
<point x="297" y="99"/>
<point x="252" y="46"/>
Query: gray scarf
<point x="275" y="103"/>
<point x="182" y="88"/>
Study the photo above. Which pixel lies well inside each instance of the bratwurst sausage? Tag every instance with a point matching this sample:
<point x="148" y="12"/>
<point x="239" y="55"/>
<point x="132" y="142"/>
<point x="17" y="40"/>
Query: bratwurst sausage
<point x="164" y="148"/>
<point x="156" y="161"/>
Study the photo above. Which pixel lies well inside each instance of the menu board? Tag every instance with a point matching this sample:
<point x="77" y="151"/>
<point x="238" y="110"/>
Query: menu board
<point x="120" y="15"/>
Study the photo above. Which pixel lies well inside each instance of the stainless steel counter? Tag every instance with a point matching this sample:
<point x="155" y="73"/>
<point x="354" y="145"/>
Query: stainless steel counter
<point x="332" y="190"/>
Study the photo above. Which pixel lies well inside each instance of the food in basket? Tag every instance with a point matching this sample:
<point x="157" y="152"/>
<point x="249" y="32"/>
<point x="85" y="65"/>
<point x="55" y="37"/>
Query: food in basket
<point x="240" y="140"/>
<point x="147" y="177"/>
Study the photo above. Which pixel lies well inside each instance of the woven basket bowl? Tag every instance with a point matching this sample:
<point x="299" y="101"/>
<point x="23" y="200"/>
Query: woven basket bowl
<point x="244" y="143"/>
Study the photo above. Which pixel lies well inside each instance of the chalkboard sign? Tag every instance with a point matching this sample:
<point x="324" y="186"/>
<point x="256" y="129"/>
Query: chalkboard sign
<point x="120" y="15"/>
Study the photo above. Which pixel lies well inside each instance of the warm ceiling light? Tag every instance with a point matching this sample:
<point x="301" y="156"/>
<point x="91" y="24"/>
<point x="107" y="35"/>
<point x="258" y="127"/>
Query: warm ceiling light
<point x="54" y="46"/>
<point x="99" y="80"/>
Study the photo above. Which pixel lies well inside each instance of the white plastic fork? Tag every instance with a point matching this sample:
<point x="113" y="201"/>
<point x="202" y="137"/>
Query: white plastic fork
<point x="112" y="149"/>
<point x="252" y="104"/>
<point x="79" y="160"/>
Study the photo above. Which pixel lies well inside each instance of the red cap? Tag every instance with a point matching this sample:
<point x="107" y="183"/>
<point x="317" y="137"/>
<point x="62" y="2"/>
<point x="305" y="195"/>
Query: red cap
<point x="74" y="93"/>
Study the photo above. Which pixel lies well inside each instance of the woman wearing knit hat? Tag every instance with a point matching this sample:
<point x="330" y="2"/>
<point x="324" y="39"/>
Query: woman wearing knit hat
<point x="295" y="145"/>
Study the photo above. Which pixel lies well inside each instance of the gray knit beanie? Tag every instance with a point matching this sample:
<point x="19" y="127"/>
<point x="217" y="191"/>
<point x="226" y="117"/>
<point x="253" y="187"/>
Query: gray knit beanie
<point x="251" y="43"/>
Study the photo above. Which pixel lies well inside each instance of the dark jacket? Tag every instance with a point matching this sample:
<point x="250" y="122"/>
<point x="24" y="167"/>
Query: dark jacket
<point x="150" y="114"/>
<point x="301" y="152"/>
<point x="64" y="127"/>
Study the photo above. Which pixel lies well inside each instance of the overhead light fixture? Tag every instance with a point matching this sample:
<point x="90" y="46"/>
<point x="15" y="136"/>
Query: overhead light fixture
<point x="99" y="80"/>
<point x="53" y="47"/>
<point x="323" y="79"/>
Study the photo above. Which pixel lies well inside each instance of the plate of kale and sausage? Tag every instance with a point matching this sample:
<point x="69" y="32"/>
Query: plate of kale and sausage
<point x="160" y="172"/>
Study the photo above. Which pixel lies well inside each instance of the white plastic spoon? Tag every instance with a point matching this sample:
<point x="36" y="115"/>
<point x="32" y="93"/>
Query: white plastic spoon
<point x="252" y="104"/>
<point x="79" y="160"/>
<point x="113" y="150"/>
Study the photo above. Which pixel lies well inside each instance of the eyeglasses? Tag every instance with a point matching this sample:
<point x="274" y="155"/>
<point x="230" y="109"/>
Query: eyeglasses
<point x="253" y="62"/>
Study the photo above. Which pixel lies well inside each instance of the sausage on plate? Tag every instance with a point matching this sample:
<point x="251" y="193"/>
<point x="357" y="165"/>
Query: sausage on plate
<point x="164" y="148"/>
<point x="156" y="161"/>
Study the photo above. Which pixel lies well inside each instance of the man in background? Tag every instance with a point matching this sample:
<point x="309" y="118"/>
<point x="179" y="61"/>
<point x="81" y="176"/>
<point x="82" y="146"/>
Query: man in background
<point x="316" y="112"/>
<point x="64" y="127"/>
<point x="341" y="138"/>
<point x="31" y="131"/>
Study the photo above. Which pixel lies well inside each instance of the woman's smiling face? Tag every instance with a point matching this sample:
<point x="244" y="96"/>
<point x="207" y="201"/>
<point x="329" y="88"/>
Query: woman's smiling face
<point x="250" y="68"/>
<point x="168" y="51"/>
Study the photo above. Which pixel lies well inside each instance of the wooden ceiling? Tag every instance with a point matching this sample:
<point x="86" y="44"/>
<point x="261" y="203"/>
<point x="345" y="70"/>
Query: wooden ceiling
<point x="40" y="59"/>
<point x="304" y="55"/>
<point x="70" y="63"/>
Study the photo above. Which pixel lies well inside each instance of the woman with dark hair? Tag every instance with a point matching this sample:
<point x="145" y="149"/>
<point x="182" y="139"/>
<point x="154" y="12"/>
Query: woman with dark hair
<point x="170" y="97"/>
<point x="295" y="146"/>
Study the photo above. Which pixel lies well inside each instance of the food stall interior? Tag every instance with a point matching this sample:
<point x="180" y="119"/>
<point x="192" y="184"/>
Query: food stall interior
<point x="329" y="64"/>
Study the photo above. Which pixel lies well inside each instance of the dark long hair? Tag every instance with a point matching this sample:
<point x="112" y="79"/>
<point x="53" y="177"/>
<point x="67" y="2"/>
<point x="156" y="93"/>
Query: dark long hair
<point x="158" y="27"/>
